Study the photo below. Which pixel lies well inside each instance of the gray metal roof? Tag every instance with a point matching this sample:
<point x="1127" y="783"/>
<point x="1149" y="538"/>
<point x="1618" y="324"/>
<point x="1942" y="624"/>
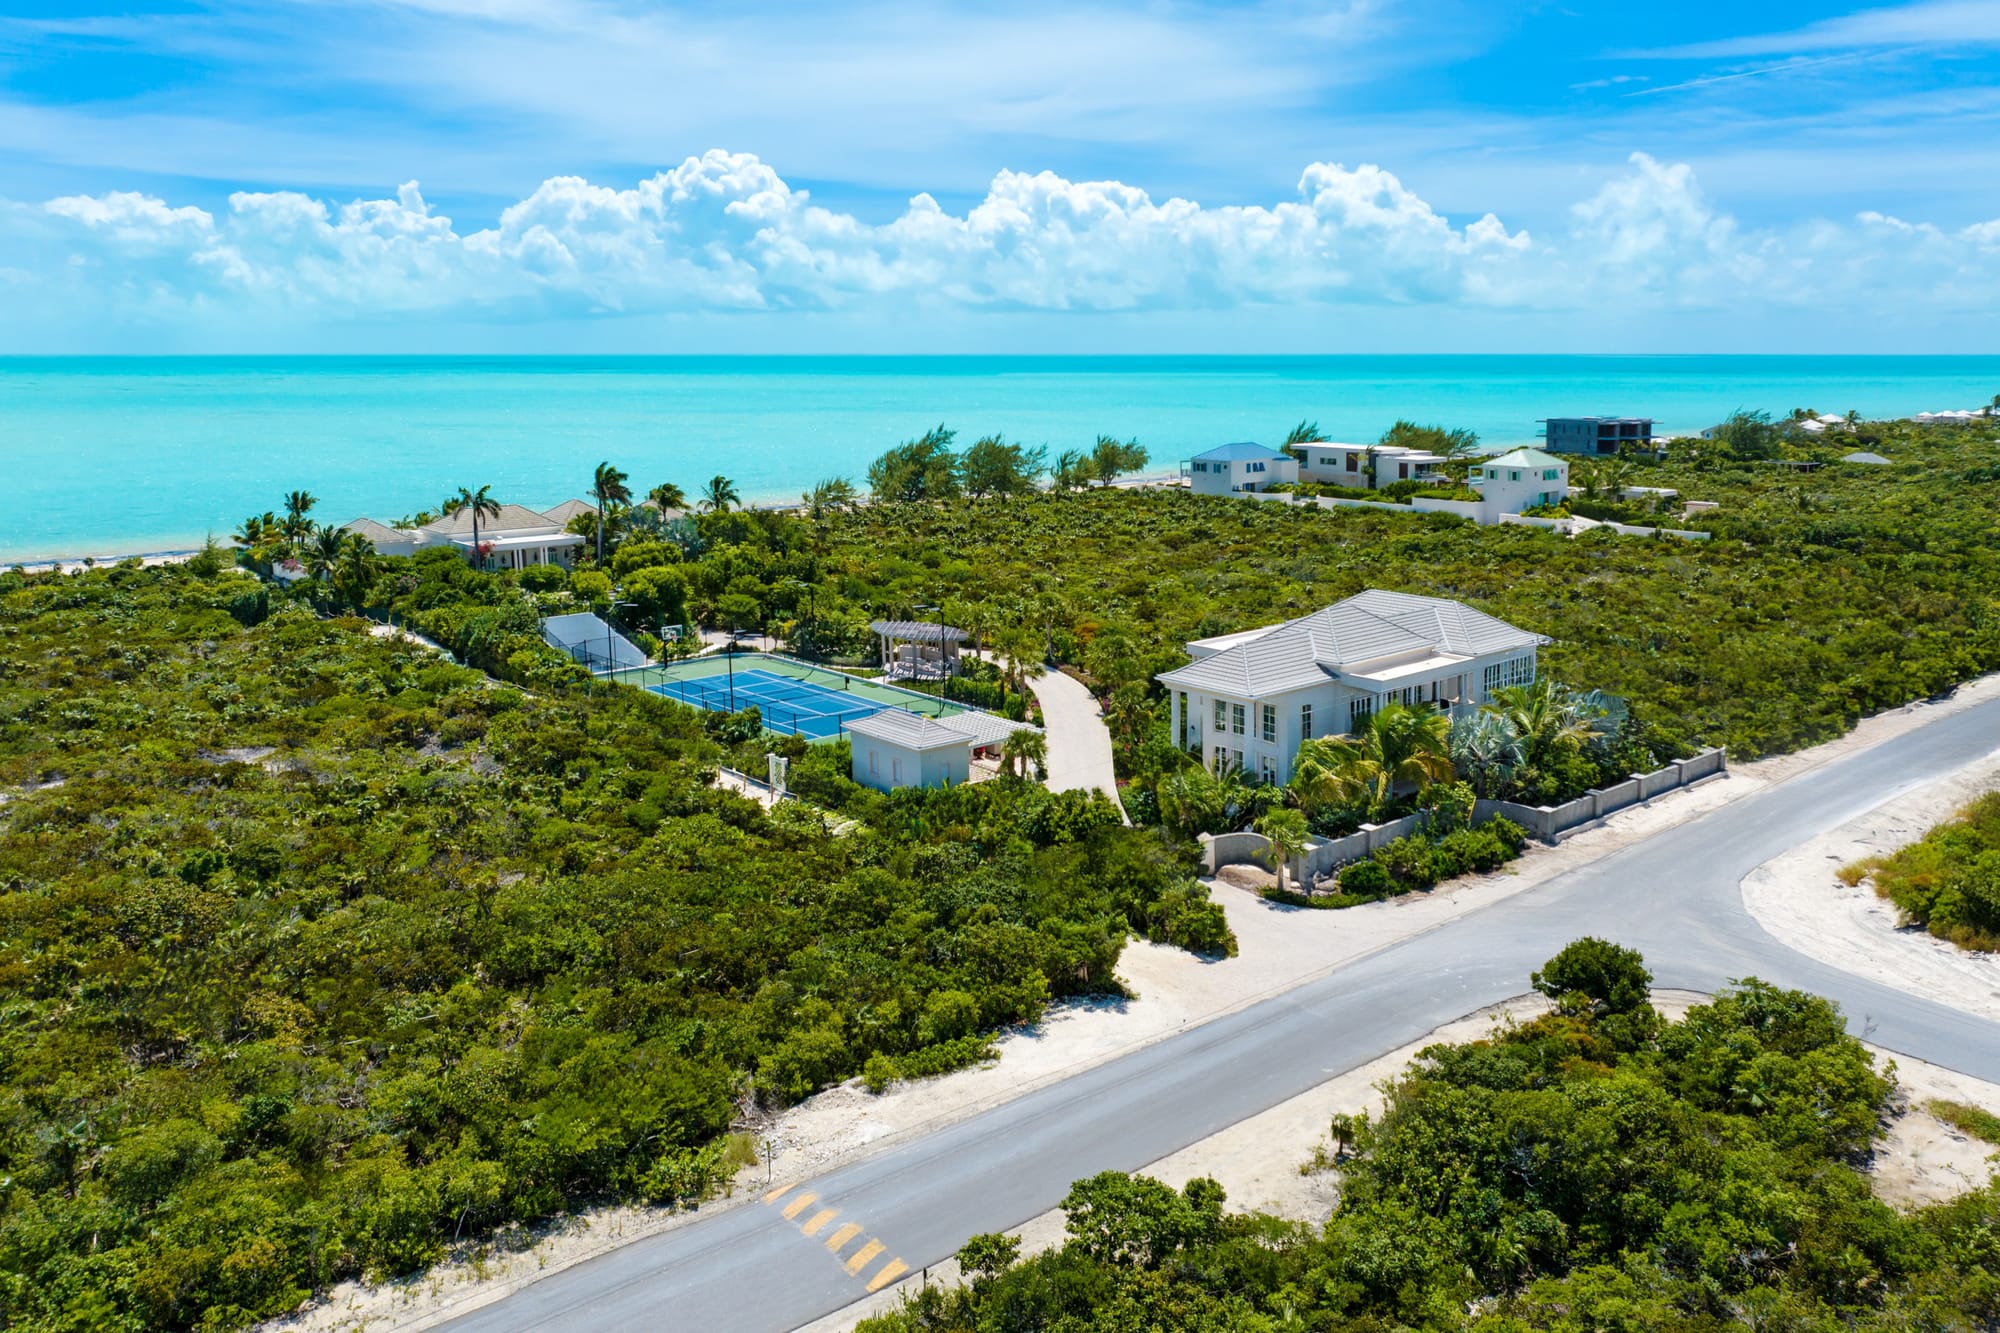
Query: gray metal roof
<point x="1366" y="627"/>
<point x="984" y="728"/>
<point x="919" y="630"/>
<point x="909" y="730"/>
<point x="1240" y="451"/>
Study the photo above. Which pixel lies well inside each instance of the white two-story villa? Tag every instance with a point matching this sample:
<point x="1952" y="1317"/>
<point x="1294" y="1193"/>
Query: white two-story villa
<point x="1369" y="466"/>
<point x="1249" y="698"/>
<point x="1231" y="468"/>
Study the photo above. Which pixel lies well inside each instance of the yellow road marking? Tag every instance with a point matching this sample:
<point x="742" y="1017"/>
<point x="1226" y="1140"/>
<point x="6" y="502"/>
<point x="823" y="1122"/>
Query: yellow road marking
<point x="819" y="1220"/>
<point x="800" y="1204"/>
<point x="863" y="1255"/>
<point x="890" y="1271"/>
<point x="779" y="1192"/>
<point x="842" y="1236"/>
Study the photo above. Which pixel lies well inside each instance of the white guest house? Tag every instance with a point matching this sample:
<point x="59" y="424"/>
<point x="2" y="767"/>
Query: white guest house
<point x="1248" y="699"/>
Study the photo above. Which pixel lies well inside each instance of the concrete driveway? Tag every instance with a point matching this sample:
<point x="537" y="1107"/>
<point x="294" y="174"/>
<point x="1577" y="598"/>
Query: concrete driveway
<point x="1079" y="742"/>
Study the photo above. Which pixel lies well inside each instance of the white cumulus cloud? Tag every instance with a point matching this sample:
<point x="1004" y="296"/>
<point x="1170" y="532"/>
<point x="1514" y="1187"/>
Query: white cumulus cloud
<point x="724" y="232"/>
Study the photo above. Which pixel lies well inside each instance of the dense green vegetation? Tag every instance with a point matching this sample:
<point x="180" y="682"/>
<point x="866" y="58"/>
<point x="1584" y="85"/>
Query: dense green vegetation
<point x="318" y="951"/>
<point x="1596" y="1169"/>
<point x="1948" y="881"/>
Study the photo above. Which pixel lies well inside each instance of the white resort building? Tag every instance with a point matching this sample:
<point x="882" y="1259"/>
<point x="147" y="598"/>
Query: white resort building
<point x="1250" y="698"/>
<point x="514" y="538"/>
<point x="1368" y="466"/>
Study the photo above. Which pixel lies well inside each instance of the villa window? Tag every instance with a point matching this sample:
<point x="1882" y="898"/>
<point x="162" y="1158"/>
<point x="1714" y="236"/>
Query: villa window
<point x="1305" y="721"/>
<point x="1201" y="467"/>
<point x="1221" y="715"/>
<point x="1253" y="467"/>
<point x="896" y="771"/>
<point x="1267" y="769"/>
<point x="1514" y="671"/>
<point x="872" y="765"/>
<point x="1514" y="476"/>
<point x="1359" y="711"/>
<point x="1236" y="719"/>
<point x="1354" y="462"/>
<point x="1268" y="722"/>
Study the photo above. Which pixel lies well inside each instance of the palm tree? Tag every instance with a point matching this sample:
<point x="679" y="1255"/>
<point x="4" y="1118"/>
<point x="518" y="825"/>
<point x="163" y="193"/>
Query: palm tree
<point x="256" y="530"/>
<point x="1286" y="831"/>
<point x="357" y="571"/>
<point x="1025" y="748"/>
<point x="1486" y="748"/>
<point x="322" y="551"/>
<point x="1398" y="745"/>
<point x="608" y="485"/>
<point x="719" y="495"/>
<point x="667" y="496"/>
<point x="1544" y="715"/>
<point x="297" y="505"/>
<point x="482" y="505"/>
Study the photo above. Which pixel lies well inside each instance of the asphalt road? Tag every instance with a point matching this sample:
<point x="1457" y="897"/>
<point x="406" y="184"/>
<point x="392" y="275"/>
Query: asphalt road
<point x="1675" y="896"/>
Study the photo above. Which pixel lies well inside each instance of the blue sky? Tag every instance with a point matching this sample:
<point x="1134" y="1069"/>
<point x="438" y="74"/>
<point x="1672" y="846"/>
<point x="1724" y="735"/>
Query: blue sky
<point x="1371" y="175"/>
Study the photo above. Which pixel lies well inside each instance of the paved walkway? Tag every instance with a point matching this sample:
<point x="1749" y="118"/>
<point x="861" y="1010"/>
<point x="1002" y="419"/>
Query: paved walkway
<point x="1079" y="742"/>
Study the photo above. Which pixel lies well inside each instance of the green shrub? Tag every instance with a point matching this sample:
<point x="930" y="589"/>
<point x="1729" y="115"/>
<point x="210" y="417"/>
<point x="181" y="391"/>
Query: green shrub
<point x="1949" y="881"/>
<point x="1366" y="879"/>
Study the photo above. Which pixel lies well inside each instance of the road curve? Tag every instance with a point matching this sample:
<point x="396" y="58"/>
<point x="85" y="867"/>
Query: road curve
<point x="1676" y="896"/>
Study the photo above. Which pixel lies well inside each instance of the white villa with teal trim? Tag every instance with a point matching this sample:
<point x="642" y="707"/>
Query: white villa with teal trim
<point x="1250" y="698"/>
<point x="1523" y="479"/>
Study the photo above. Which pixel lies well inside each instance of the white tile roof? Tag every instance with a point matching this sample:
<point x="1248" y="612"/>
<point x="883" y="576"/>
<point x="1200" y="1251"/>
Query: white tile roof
<point x="1366" y="627"/>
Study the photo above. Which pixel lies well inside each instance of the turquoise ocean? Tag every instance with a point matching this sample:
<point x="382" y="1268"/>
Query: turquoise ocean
<point x="115" y="456"/>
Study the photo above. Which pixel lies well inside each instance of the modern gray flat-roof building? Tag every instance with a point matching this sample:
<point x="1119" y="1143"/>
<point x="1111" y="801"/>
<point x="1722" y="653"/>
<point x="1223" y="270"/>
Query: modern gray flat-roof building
<point x="1596" y="435"/>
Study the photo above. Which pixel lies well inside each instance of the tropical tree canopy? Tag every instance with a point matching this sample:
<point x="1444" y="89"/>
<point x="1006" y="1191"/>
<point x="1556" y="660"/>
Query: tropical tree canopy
<point x="1446" y="440"/>
<point x="992" y="466"/>
<point x="921" y="469"/>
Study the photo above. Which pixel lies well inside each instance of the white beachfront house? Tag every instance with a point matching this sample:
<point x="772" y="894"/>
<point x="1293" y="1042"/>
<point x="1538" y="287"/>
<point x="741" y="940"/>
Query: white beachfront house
<point x="1250" y="698"/>
<point x="1519" y="480"/>
<point x="1368" y="466"/>
<point x="1231" y="468"/>
<point x="514" y="538"/>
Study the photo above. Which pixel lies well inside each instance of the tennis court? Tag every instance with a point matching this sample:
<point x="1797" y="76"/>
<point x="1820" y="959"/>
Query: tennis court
<point x="812" y="711"/>
<point x="793" y="696"/>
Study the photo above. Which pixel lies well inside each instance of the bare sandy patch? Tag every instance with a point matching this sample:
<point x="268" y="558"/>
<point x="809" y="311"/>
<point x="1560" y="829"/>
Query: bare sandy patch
<point x="1799" y="898"/>
<point x="1920" y="1159"/>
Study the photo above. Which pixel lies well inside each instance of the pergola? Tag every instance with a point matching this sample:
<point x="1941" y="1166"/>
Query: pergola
<point x="918" y="649"/>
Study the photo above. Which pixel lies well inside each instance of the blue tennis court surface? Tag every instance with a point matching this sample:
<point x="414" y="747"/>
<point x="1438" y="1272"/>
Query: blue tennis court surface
<point x="813" y="711"/>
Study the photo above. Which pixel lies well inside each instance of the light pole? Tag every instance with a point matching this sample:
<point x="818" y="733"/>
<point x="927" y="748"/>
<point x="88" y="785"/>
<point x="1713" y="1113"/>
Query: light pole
<point x="940" y="611"/>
